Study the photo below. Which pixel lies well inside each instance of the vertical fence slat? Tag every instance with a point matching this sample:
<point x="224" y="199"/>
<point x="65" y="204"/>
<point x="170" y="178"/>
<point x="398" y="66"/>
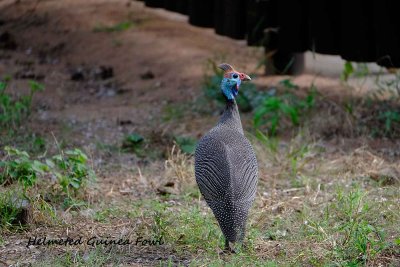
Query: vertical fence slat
<point x="324" y="26"/>
<point x="357" y="39"/>
<point x="387" y="33"/>
<point x="154" y="3"/>
<point x="219" y="17"/>
<point x="230" y="18"/>
<point x="201" y="13"/>
<point x="182" y="6"/>
<point x="170" y="5"/>
<point x="235" y="19"/>
<point x="260" y="15"/>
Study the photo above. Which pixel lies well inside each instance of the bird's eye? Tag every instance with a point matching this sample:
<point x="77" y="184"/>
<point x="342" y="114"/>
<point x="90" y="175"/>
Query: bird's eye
<point x="234" y="76"/>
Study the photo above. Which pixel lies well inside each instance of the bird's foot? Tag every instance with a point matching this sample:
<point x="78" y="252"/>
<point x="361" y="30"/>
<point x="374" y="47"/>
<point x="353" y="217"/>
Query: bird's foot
<point x="228" y="249"/>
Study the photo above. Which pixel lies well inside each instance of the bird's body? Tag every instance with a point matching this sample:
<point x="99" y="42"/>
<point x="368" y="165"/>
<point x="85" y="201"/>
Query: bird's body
<point x="226" y="172"/>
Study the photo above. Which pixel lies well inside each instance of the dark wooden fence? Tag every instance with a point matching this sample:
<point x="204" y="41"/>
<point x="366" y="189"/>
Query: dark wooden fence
<point x="357" y="30"/>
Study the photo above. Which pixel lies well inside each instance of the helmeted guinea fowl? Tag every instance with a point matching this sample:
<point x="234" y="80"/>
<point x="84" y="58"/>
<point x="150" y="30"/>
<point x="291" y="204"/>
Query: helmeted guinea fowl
<point x="225" y="164"/>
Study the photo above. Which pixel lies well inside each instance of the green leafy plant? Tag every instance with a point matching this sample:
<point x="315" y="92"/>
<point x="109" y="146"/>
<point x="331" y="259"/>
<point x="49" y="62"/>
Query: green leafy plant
<point x="122" y="26"/>
<point x="391" y="119"/>
<point x="275" y="108"/>
<point x="70" y="167"/>
<point x="348" y="70"/>
<point x="20" y="167"/>
<point x="8" y="210"/>
<point x="133" y="143"/>
<point x="186" y="144"/>
<point x="14" y="110"/>
<point x="360" y="70"/>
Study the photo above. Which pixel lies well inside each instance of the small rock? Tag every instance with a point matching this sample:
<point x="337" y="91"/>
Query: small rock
<point x="121" y="91"/>
<point x="148" y="75"/>
<point x="22" y="217"/>
<point x="78" y="74"/>
<point x="103" y="73"/>
<point x="167" y="190"/>
<point x="7" y="41"/>
<point x="110" y="92"/>
<point x="29" y="74"/>
<point x="170" y="184"/>
<point x="386" y="176"/>
<point x="124" y="122"/>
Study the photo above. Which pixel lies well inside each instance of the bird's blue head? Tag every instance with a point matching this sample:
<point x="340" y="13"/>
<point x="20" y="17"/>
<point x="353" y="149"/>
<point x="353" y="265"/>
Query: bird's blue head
<point x="231" y="82"/>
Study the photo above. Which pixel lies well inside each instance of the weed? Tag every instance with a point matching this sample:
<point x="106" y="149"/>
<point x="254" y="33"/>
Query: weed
<point x="104" y="214"/>
<point x="391" y="119"/>
<point x="97" y="257"/>
<point x="154" y="146"/>
<point x="377" y="112"/>
<point x="361" y="70"/>
<point x="275" y="108"/>
<point x="32" y="143"/>
<point x="186" y="144"/>
<point x="268" y="142"/>
<point x="122" y="26"/>
<point x="70" y="168"/>
<point x="347" y="71"/>
<point x="173" y="112"/>
<point x="20" y="167"/>
<point x="347" y="224"/>
<point x="133" y="143"/>
<point x="13" y="111"/>
<point x="9" y="211"/>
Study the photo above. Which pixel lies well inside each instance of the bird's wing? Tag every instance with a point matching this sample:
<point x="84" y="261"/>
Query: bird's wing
<point x="244" y="171"/>
<point x="212" y="169"/>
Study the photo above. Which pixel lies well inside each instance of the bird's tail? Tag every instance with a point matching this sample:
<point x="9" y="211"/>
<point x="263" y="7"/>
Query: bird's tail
<point x="231" y="219"/>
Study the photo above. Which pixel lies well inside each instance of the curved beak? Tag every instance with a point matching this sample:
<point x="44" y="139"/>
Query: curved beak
<point x="246" y="78"/>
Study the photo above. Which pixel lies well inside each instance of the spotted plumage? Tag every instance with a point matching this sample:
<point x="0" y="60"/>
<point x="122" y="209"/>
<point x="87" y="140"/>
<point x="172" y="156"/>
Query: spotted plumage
<point x="225" y="164"/>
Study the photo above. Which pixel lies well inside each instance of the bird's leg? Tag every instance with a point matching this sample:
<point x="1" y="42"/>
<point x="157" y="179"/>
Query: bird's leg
<point x="228" y="248"/>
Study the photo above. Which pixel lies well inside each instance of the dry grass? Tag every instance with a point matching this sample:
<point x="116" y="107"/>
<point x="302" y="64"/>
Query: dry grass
<point x="313" y="203"/>
<point x="179" y="169"/>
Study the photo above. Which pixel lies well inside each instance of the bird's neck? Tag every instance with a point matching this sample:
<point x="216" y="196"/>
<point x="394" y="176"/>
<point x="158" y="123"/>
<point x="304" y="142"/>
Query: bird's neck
<point x="231" y="117"/>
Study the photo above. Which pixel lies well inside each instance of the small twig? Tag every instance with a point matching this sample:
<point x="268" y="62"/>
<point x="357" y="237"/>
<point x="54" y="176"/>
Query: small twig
<point x="293" y="189"/>
<point x="144" y="182"/>
<point x="57" y="144"/>
<point x="316" y="194"/>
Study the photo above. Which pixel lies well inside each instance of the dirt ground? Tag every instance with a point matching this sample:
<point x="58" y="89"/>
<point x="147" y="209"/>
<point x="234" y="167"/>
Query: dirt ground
<point x="158" y="62"/>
